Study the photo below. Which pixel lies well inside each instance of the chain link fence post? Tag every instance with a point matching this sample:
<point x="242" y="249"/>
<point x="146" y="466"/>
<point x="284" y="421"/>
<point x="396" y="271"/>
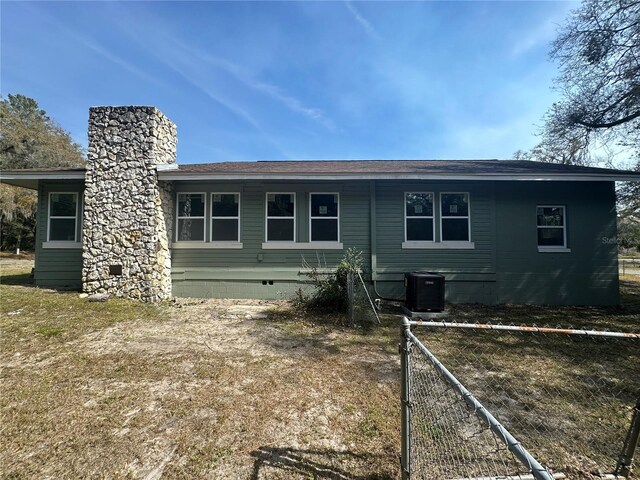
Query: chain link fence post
<point x="625" y="464"/>
<point x="351" y="297"/>
<point x="405" y="401"/>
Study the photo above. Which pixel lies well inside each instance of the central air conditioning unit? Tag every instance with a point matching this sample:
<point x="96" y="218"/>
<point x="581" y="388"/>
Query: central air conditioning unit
<point x="425" y="291"/>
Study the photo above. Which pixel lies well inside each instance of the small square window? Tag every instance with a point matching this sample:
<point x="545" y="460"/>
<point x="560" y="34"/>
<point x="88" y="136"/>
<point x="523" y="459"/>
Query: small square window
<point x="454" y="217"/>
<point x="190" y="217"/>
<point x="551" y="226"/>
<point x="63" y="217"/>
<point x="281" y="218"/>
<point x="225" y="217"/>
<point x="418" y="215"/>
<point x="325" y="221"/>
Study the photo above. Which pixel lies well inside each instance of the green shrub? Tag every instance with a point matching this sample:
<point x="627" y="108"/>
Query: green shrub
<point x="330" y="288"/>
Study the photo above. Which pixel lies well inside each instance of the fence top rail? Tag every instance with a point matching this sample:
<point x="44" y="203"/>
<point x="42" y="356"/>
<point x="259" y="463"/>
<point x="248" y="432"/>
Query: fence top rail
<point x="521" y="328"/>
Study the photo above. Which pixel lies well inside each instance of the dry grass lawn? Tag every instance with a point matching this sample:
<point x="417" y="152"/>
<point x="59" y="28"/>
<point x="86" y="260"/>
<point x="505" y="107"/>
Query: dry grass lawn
<point x="207" y="389"/>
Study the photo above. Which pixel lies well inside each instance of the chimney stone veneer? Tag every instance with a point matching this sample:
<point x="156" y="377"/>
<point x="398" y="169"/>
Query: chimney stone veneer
<point x="127" y="211"/>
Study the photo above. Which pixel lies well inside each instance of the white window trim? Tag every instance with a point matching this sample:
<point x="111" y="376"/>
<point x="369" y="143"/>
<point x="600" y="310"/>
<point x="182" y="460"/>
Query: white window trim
<point x="468" y="216"/>
<point x="302" y="245"/>
<point x="204" y="218"/>
<point x="267" y="218"/>
<point x="450" y="245"/>
<point x="554" y="248"/>
<point x="311" y="218"/>
<point x="62" y="243"/>
<point x="221" y="243"/>
<point x="205" y="245"/>
<point x="432" y="217"/>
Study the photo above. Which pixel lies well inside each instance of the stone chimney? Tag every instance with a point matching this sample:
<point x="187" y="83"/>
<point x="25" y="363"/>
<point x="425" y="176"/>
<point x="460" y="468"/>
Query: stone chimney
<point x="127" y="210"/>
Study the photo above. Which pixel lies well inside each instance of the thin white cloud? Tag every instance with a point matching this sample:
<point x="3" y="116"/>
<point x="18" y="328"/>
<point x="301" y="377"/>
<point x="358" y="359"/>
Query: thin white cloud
<point x="246" y="78"/>
<point x="366" y="24"/>
<point x="232" y="107"/>
<point x="91" y="45"/>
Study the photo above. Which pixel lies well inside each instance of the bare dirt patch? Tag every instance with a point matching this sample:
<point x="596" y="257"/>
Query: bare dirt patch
<point x="210" y="389"/>
<point x="203" y="390"/>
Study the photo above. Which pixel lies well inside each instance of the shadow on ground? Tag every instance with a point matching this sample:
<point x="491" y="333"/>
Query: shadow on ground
<point x="319" y="464"/>
<point x="24" y="279"/>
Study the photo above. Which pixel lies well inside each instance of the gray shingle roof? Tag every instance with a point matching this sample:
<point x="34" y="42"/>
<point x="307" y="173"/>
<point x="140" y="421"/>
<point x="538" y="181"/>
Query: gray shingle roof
<point x="337" y="167"/>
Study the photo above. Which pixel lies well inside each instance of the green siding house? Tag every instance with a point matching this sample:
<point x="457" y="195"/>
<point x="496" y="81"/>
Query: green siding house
<point x="134" y="223"/>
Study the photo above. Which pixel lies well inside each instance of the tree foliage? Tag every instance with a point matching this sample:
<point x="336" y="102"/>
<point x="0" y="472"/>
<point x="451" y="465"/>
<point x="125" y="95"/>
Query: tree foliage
<point x="28" y="139"/>
<point x="598" y="51"/>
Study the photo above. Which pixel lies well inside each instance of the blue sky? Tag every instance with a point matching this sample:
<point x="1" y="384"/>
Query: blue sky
<point x="269" y="80"/>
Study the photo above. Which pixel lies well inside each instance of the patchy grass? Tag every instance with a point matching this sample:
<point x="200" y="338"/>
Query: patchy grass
<point x="189" y="389"/>
<point x="14" y="256"/>
<point x="208" y="389"/>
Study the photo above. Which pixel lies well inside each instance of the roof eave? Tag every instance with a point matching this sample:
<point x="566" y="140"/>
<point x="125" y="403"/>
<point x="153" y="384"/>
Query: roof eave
<point x="590" y="177"/>
<point x="30" y="179"/>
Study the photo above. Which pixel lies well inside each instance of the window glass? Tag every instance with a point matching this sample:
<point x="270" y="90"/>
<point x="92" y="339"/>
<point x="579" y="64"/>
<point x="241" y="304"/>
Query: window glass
<point x="324" y="205"/>
<point x="455" y="205"/>
<point x="191" y="229"/>
<point x="190" y="217"/>
<point x="455" y="229"/>
<point x="224" y="230"/>
<point x="324" y="230"/>
<point x="62" y="229"/>
<point x="281" y="212"/>
<point x="225" y="217"/>
<point x="418" y="212"/>
<point x="191" y="205"/>
<point x="550" y="216"/>
<point x="63" y="204"/>
<point x="280" y="205"/>
<point x="280" y="230"/>
<point x="419" y="229"/>
<point x="419" y="204"/>
<point x="550" y="237"/>
<point x="454" y="212"/>
<point x="551" y="226"/>
<point x="324" y="217"/>
<point x="225" y="205"/>
<point x="63" y="210"/>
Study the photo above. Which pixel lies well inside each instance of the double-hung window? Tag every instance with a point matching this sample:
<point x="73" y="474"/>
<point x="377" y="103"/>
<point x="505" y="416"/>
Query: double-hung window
<point x="325" y="219"/>
<point x="552" y="229"/>
<point x="454" y="217"/>
<point x="190" y="217"/>
<point x="281" y="217"/>
<point x="63" y="217"/>
<point x="418" y="217"/>
<point x="225" y="217"/>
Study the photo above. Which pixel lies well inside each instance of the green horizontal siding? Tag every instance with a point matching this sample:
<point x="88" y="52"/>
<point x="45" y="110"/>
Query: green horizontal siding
<point x="588" y="275"/>
<point x="504" y="267"/>
<point x="57" y="267"/>
<point x="223" y="264"/>
<point x="390" y="230"/>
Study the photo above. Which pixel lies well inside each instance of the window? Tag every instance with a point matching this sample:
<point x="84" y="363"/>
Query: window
<point x="552" y="231"/>
<point x="281" y="217"/>
<point x="63" y="215"/>
<point x="190" y="217"/>
<point x="454" y="217"/>
<point x="418" y="217"/>
<point x="325" y="222"/>
<point x="225" y="217"/>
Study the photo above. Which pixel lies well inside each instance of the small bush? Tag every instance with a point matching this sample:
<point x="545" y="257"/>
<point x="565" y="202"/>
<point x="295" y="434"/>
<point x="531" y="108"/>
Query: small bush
<point x="330" y="288"/>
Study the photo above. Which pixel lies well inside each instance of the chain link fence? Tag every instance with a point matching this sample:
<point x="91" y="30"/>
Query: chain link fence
<point x="493" y="401"/>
